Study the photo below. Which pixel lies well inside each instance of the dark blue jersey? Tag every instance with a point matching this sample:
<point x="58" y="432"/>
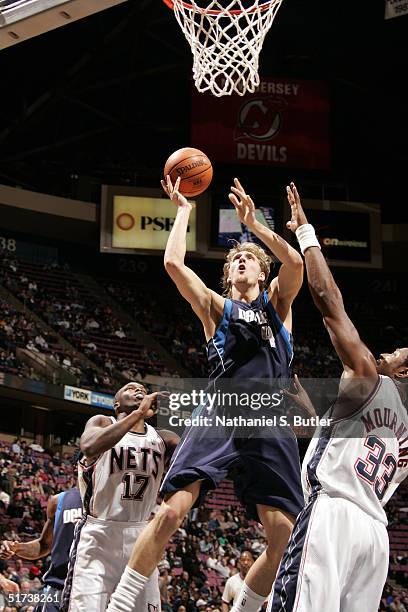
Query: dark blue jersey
<point x="250" y="342"/>
<point x="250" y="356"/>
<point x="69" y="510"/>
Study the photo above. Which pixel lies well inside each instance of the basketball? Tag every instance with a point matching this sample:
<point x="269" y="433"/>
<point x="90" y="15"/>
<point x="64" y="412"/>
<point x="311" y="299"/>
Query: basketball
<point x="194" y="168"/>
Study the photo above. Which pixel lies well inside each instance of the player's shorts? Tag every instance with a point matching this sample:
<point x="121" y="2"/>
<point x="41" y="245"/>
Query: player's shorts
<point x="99" y="555"/>
<point x="336" y="560"/>
<point x="264" y="466"/>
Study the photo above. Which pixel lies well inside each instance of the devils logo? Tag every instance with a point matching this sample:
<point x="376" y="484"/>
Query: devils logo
<point x="259" y="119"/>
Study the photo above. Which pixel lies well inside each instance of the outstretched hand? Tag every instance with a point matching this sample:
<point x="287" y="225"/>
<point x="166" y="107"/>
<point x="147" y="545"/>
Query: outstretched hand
<point x="174" y="194"/>
<point x="243" y="203"/>
<point x="301" y="398"/>
<point x="298" y="216"/>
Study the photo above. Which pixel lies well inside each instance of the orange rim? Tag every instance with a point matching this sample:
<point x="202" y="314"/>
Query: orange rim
<point x="263" y="7"/>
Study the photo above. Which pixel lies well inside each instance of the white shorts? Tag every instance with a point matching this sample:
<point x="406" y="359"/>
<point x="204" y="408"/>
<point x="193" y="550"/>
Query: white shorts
<point x="336" y="560"/>
<point x="99" y="554"/>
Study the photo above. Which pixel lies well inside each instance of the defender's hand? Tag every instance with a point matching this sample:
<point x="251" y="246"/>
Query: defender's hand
<point x="301" y="398"/>
<point x="174" y="193"/>
<point x="298" y="216"/>
<point x="243" y="203"/>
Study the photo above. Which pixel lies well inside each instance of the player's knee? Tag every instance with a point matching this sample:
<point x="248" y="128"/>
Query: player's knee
<point x="169" y="519"/>
<point x="277" y="545"/>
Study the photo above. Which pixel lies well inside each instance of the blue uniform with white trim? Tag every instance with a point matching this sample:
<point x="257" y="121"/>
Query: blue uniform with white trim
<point x="68" y="513"/>
<point x="250" y="342"/>
<point x="250" y="353"/>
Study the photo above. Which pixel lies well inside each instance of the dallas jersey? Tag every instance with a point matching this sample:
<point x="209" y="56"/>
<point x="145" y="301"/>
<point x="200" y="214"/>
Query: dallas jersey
<point x="122" y="483"/>
<point x="362" y="458"/>
<point x="251" y="351"/>
<point x="68" y="513"/>
<point x="250" y="342"/>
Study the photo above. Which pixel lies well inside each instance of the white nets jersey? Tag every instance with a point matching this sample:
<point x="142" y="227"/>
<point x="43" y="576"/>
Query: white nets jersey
<point x="122" y="484"/>
<point x="363" y="458"/>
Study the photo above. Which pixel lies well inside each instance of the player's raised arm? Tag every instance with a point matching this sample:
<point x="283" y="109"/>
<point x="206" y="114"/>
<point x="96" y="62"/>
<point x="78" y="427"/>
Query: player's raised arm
<point x="100" y="434"/>
<point x="35" y="549"/>
<point x="300" y="397"/>
<point x="357" y="359"/>
<point x="171" y="440"/>
<point x="188" y="283"/>
<point x="290" y="276"/>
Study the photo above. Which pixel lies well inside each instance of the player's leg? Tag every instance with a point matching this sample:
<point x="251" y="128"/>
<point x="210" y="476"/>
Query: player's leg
<point x="308" y="576"/>
<point x="258" y="582"/>
<point x="365" y="568"/>
<point x="152" y="541"/>
<point x="150" y="546"/>
<point x="94" y="573"/>
<point x="269" y="486"/>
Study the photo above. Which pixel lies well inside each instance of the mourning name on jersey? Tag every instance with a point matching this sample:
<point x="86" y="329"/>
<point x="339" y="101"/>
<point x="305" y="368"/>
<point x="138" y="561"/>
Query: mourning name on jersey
<point x="384" y="417"/>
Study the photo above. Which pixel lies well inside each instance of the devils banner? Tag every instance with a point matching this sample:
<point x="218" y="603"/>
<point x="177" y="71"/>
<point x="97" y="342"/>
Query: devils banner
<point x="284" y="123"/>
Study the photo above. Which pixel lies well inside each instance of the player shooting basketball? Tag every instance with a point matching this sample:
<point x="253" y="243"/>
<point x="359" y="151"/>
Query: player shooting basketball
<point x="337" y="558"/>
<point x="249" y="336"/>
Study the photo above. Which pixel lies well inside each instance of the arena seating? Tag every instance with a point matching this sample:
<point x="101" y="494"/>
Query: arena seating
<point x="74" y="313"/>
<point x="223" y="497"/>
<point x="175" y="329"/>
<point x="19" y="331"/>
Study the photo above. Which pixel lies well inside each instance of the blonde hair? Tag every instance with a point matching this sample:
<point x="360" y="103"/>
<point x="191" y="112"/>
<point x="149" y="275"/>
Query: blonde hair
<point x="263" y="258"/>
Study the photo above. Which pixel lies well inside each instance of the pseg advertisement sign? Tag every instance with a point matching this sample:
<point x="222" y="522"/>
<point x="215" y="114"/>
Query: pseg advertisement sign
<point x="85" y="396"/>
<point x="145" y="223"/>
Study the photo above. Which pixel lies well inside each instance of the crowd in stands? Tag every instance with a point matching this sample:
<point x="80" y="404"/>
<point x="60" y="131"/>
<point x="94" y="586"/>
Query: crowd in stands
<point x="181" y="334"/>
<point x="93" y="329"/>
<point x="28" y="477"/>
<point x="168" y="318"/>
<point x="201" y="556"/>
<point x="18" y="330"/>
<point x="314" y="356"/>
<point x="74" y="314"/>
<point x="394" y="599"/>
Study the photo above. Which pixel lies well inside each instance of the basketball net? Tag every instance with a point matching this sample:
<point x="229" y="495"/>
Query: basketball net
<point x="226" y="38"/>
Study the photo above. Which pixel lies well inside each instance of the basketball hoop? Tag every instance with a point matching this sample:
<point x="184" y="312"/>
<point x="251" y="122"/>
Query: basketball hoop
<point x="226" y="38"/>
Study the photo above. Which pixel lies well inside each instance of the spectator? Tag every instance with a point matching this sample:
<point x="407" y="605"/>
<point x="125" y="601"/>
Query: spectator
<point x="234" y="584"/>
<point x="15" y="447"/>
<point x="4" y="498"/>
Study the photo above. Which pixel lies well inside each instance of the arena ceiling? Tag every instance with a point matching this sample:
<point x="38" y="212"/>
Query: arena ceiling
<point x="107" y="98"/>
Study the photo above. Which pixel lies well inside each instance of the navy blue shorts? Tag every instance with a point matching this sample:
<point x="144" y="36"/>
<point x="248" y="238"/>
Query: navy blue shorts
<point x="263" y="464"/>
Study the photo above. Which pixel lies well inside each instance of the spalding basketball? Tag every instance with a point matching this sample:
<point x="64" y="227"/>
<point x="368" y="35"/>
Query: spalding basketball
<point x="193" y="167"/>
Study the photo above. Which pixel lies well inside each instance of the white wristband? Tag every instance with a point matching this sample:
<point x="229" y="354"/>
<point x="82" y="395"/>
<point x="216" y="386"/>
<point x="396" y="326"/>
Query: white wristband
<point x="306" y="236"/>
